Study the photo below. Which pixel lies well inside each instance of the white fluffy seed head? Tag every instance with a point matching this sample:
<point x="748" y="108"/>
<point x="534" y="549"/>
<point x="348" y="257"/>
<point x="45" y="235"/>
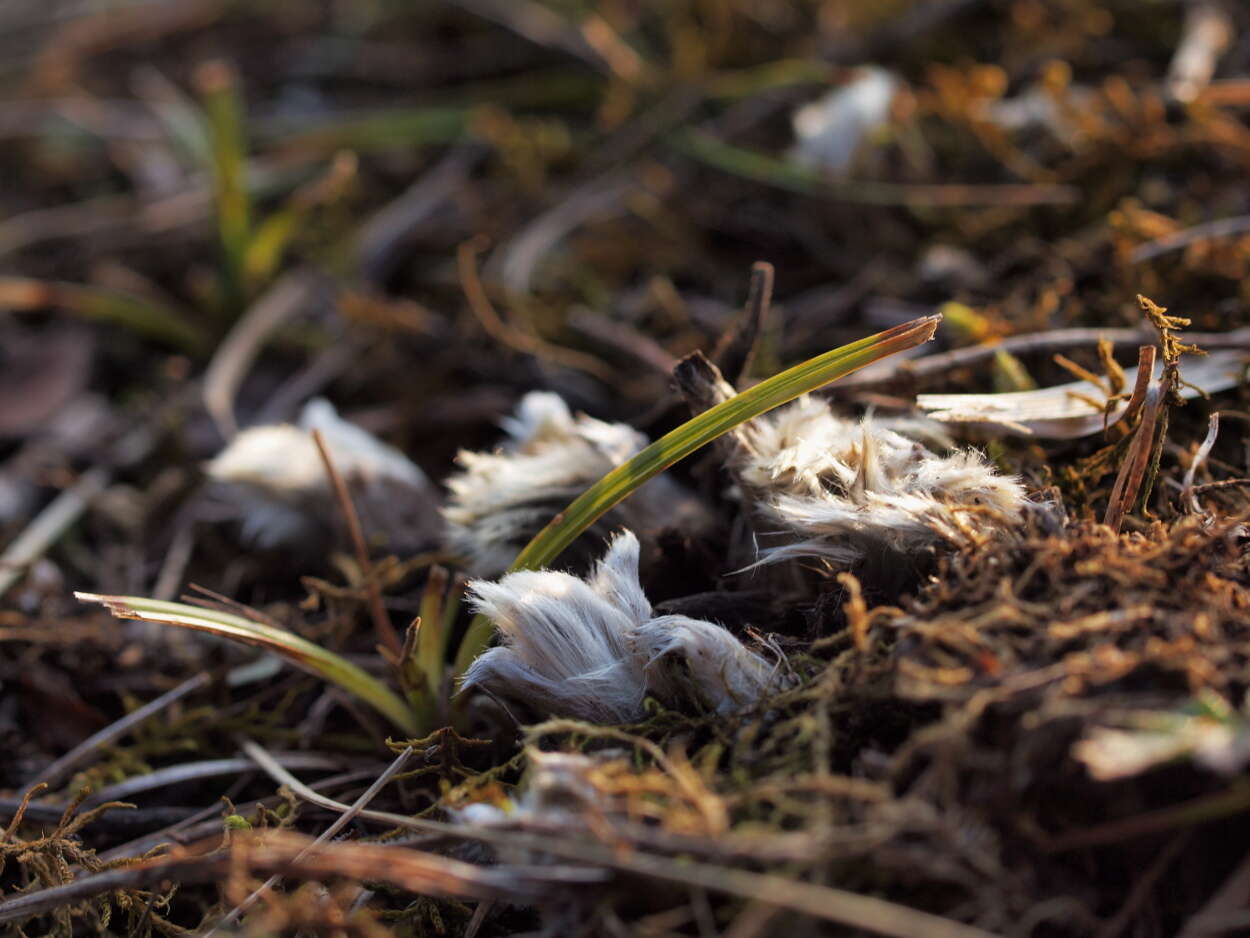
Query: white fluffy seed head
<point x="698" y="662"/>
<point x="357" y="453"/>
<point x="592" y="650"/>
<point x="280" y="459"/>
<point x="543" y="419"/>
<point x="276" y="480"/>
<point x="499" y="500"/>
<point x="564" y="640"/>
<point x="837" y="489"/>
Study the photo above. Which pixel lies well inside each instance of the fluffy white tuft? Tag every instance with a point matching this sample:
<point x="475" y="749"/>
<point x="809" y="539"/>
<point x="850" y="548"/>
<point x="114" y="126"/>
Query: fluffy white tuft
<point x="592" y="650"/>
<point x="501" y="499"/>
<point x="361" y="454"/>
<point x="275" y="478"/>
<point x="279" y="459"/>
<point x="838" y="489"/>
<point x="696" y="661"/>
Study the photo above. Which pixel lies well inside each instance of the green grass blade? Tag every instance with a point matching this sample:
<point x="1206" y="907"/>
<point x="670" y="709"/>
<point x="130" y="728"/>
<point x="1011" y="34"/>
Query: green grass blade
<point x="423" y="664"/>
<point x="139" y="314"/>
<point x="265" y="249"/>
<point x="223" y="108"/>
<point x="272" y="236"/>
<point x="180" y="116"/>
<point x="735" y="84"/>
<point x="298" y="651"/>
<point x="381" y="131"/>
<point x="404" y="128"/>
<point x="782" y="174"/>
<point x="432" y="639"/>
<point x="690" y="436"/>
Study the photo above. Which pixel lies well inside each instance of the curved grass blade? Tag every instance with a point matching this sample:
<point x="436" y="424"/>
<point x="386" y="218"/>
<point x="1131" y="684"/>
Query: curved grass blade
<point x="690" y="436"/>
<point x="300" y="652"/>
<point x="115" y="307"/>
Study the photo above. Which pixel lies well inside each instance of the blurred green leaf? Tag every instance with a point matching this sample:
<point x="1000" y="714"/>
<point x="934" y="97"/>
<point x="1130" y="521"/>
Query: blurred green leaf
<point x="781" y="174"/>
<point x="383" y="130"/>
<point x="139" y="314"/>
<point x="223" y="107"/>
<point x="273" y="235"/>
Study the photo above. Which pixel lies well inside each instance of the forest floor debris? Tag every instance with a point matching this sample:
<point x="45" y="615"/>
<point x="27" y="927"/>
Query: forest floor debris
<point x="1023" y="715"/>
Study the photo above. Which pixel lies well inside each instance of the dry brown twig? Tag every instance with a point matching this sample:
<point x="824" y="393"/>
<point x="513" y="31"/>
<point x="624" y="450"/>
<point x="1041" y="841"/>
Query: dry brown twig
<point x="1145" y="370"/>
<point x="898" y="369"/>
<point x="736" y="350"/>
<point x="508" y="334"/>
<point x="381" y="621"/>
<point x="432" y="874"/>
<point x="1147" y="444"/>
<point x="339" y="823"/>
<point x="1133" y="469"/>
<point x="288" y="854"/>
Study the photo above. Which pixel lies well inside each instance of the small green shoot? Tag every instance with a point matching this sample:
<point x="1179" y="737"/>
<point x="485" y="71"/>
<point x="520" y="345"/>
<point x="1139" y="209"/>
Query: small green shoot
<point x="422" y="668"/>
<point x="689" y="437"/>
<point x="252" y="247"/>
<point x="298" y="651"/>
<point x="438" y="615"/>
<point x="265" y="249"/>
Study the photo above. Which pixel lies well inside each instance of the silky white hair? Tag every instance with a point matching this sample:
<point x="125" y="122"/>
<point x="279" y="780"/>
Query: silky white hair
<point x="275" y="479"/>
<point x="501" y="499"/>
<point x="591" y="649"/>
<point x="838" y="489"/>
